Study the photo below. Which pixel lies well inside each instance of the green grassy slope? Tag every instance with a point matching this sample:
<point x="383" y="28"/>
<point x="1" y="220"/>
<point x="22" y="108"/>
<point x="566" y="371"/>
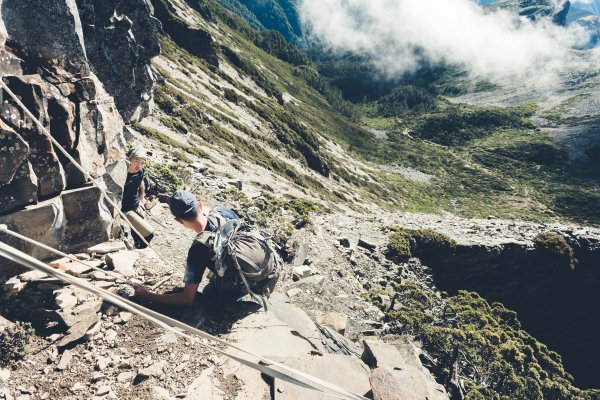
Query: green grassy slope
<point x="484" y="160"/>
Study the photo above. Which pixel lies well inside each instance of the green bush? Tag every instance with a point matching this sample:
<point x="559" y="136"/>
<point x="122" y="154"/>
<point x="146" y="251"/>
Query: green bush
<point x="405" y="99"/>
<point x="544" y="153"/>
<point x="14" y="342"/>
<point x="163" y="178"/>
<point x="405" y="243"/>
<point x="555" y="249"/>
<point x="275" y="44"/>
<point x="458" y="125"/>
<point x="494" y="357"/>
<point x="399" y="246"/>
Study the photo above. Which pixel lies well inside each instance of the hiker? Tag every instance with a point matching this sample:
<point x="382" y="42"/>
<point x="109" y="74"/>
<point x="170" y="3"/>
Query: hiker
<point x="250" y="264"/>
<point x="133" y="196"/>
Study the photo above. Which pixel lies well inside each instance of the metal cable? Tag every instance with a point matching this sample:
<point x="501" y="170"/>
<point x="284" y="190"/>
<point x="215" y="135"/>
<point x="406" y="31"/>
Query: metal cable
<point x="179" y="328"/>
<point x="80" y="168"/>
<point x="4" y="229"/>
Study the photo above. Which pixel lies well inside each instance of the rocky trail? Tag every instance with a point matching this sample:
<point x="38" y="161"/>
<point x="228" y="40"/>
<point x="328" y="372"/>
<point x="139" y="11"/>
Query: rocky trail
<point x="318" y="318"/>
<point x="230" y="124"/>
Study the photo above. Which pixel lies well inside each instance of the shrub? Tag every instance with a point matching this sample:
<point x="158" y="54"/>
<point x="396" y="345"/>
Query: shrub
<point x="274" y="43"/>
<point x="458" y="125"/>
<point x="404" y="243"/>
<point x="404" y="99"/>
<point x="555" y="250"/>
<point x="14" y="341"/>
<point x="493" y="357"/>
<point x="163" y="178"/>
<point x="399" y="246"/>
<point x="544" y="153"/>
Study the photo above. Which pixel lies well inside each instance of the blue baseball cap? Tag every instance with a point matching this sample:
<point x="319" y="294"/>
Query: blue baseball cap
<point x="182" y="203"/>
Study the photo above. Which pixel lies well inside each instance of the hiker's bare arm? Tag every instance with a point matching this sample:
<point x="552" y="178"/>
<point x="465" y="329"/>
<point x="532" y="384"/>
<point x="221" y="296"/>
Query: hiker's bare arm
<point x="183" y="298"/>
<point x="142" y="191"/>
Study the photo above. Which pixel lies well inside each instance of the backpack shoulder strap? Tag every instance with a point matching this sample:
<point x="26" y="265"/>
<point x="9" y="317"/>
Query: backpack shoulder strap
<point x="215" y="221"/>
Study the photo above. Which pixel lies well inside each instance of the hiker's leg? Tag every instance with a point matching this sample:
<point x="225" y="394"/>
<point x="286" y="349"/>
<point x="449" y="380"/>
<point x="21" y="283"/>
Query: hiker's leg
<point x="221" y="291"/>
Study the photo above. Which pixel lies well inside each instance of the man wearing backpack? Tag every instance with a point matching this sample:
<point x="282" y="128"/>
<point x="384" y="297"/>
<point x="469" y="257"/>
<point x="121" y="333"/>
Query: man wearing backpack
<point x="248" y="263"/>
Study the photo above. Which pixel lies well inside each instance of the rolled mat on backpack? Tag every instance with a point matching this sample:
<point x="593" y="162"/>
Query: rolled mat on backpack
<point x="139" y="223"/>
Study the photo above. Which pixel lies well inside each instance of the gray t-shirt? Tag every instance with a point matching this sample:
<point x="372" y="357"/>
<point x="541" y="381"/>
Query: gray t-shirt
<point x="198" y="258"/>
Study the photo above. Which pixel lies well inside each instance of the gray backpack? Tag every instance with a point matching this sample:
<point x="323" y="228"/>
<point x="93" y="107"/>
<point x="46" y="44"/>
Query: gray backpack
<point x="235" y="244"/>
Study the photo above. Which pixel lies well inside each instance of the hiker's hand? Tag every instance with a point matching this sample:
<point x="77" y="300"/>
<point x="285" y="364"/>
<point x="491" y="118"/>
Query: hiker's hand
<point x="141" y="292"/>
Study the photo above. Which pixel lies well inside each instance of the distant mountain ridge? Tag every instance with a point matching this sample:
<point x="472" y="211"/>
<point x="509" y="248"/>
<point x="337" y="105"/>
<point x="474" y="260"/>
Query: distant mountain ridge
<point x="279" y="15"/>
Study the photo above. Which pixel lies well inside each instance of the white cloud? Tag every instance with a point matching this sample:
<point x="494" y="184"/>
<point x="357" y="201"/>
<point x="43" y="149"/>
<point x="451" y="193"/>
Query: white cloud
<point x="496" y="45"/>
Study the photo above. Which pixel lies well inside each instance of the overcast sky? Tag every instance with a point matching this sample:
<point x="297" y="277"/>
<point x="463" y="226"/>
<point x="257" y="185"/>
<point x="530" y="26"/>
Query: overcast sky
<point x="492" y="45"/>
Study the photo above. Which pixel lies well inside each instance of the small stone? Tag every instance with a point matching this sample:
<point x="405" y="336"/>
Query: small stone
<point x="294" y="292"/>
<point x="13" y="286"/>
<point x="77" y="387"/>
<point x="76" y="269"/>
<point x="102" y="363"/>
<point x="4" y="375"/>
<point x="198" y="166"/>
<point x="181" y="367"/>
<point x="54" y="337"/>
<point x="125" y="316"/>
<point x="125" y="377"/>
<point x="301" y="272"/>
<point x="65" y="359"/>
<point x="98" y="376"/>
<point x="107" y="247"/>
<point x="337" y="320"/>
<point x="102" y="276"/>
<point x="153" y="370"/>
<point x="93" y="331"/>
<point x="53" y="354"/>
<point x="123" y="262"/>
<point x="32" y="276"/>
<point x="65" y="299"/>
<point x="110" y="336"/>
<point x="28" y="390"/>
<point x="103" y="390"/>
<point x="160" y="393"/>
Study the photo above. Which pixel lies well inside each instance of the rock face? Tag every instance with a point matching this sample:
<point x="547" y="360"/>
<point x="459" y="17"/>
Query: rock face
<point x="120" y="39"/>
<point x="80" y="67"/>
<point x="197" y="41"/>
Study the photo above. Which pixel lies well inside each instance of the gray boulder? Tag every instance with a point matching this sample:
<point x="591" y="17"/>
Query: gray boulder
<point x="120" y="39"/>
<point x="71" y="222"/>
<point x="47" y="33"/>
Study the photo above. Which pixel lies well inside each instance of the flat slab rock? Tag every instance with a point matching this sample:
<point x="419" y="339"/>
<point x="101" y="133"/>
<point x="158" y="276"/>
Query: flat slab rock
<point x="347" y="372"/>
<point x="123" y="262"/>
<point x="205" y="387"/>
<point x="264" y="334"/>
<point x="107" y="247"/>
<point x="399" y="362"/>
<point x="296" y="319"/>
